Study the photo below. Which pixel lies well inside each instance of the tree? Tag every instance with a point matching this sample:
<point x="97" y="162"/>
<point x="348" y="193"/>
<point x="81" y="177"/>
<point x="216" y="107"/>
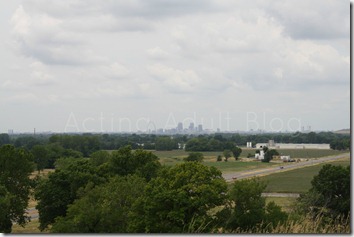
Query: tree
<point x="4" y="139"/>
<point x="103" y="209"/>
<point x="5" y="207"/>
<point x="125" y="161"/>
<point x="329" y="194"/>
<point x="219" y="158"/>
<point x="165" y="144"/>
<point x="194" y="156"/>
<point x="41" y="156"/>
<point x="15" y="167"/>
<point x="249" y="207"/>
<point x="180" y="195"/>
<point x="268" y="155"/>
<point x="99" y="157"/>
<point x="227" y="154"/>
<point x="236" y="152"/>
<point x="56" y="192"/>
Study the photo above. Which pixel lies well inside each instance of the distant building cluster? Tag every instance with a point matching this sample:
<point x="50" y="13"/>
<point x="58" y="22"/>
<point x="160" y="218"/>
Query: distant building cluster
<point x="191" y="129"/>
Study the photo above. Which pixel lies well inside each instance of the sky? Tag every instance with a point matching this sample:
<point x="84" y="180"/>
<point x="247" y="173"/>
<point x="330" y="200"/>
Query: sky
<point x="126" y="66"/>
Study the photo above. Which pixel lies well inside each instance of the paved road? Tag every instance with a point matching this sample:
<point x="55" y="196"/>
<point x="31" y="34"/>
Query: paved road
<point x="286" y="166"/>
<point x="33" y="213"/>
<point x="295" y="195"/>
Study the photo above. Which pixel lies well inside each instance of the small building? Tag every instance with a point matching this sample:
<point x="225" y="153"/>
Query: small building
<point x="249" y="145"/>
<point x="259" y="156"/>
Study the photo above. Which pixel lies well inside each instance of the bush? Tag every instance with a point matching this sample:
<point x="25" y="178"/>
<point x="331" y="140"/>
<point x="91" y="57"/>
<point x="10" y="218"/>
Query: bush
<point x="194" y="156"/>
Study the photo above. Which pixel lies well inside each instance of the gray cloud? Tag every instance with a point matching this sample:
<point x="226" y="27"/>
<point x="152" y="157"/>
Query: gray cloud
<point x="149" y="58"/>
<point x="314" y="19"/>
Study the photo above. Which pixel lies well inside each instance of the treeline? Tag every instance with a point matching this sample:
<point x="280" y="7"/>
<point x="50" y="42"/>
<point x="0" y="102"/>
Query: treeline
<point x="129" y="191"/>
<point x="86" y="144"/>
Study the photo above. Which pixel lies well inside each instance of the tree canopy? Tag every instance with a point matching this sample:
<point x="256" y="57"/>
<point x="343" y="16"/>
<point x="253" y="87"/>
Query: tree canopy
<point x="329" y="194"/>
<point x="179" y="196"/>
<point x="103" y="209"/>
<point x="249" y="208"/>
<point x="16" y="165"/>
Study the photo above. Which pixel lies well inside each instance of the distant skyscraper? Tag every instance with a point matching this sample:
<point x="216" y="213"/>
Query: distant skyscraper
<point x="191" y="127"/>
<point x="180" y="127"/>
<point x="200" y="128"/>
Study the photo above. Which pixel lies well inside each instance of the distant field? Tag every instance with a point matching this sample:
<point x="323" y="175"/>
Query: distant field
<point x="294" y="153"/>
<point x="296" y="181"/>
<point x="173" y="157"/>
<point x="170" y="158"/>
<point x="298" y="153"/>
<point x="29" y="228"/>
<point x="235" y="166"/>
<point x="286" y="203"/>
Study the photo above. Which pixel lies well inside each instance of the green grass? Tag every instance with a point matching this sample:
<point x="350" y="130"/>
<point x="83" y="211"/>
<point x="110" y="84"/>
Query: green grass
<point x="30" y="228"/>
<point x="296" y="181"/>
<point x="298" y="153"/>
<point x="170" y="158"/>
<point x="235" y="166"/>
<point x="286" y="203"/>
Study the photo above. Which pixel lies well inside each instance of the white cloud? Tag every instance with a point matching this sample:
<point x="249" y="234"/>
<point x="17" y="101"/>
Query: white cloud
<point x="157" y="53"/>
<point x="115" y="71"/>
<point x="217" y="54"/>
<point x="175" y="80"/>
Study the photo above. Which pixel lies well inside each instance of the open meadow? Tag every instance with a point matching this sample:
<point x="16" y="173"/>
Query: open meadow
<point x="298" y="180"/>
<point x="297" y="153"/>
<point x="173" y="157"/>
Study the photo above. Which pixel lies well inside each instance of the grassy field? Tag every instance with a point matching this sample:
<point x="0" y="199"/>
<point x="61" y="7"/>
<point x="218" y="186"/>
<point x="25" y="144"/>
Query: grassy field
<point x="170" y="158"/>
<point x="286" y="203"/>
<point x="235" y="166"/>
<point x="29" y="228"/>
<point x="294" y="153"/>
<point x="296" y="181"/>
<point x="298" y="153"/>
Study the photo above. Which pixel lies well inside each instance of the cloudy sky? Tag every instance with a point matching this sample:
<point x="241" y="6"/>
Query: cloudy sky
<point x="114" y="65"/>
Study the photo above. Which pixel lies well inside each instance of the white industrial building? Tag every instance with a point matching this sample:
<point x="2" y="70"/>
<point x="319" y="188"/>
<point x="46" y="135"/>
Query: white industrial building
<point x="272" y="145"/>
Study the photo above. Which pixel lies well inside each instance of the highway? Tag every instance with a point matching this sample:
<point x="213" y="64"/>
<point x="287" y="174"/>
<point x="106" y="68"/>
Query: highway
<point x="286" y="166"/>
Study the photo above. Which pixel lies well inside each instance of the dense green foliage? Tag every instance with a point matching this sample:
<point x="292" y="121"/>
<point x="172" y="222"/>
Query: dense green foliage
<point x="128" y="190"/>
<point x="125" y="161"/>
<point x="103" y="209"/>
<point x="165" y="144"/>
<point x="76" y="145"/>
<point x="61" y="188"/>
<point x="268" y="154"/>
<point x="15" y="167"/>
<point x="236" y="152"/>
<point x="249" y="207"/>
<point x="329" y="194"/>
<point x="4" y="139"/>
<point x="178" y="196"/>
<point x="194" y="156"/>
<point x="227" y="154"/>
<point x="340" y="143"/>
<point x="55" y="193"/>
